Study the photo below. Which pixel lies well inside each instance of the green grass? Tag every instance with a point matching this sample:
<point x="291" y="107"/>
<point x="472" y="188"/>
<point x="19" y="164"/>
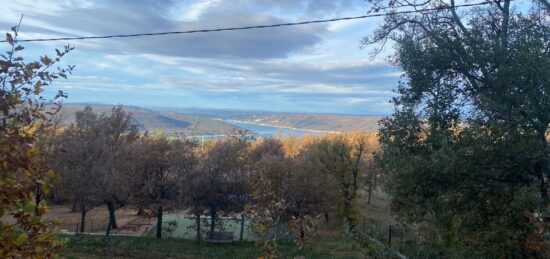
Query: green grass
<point x="84" y="246"/>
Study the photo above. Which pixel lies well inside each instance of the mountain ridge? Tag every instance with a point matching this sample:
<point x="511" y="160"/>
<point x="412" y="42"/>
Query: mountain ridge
<point x="202" y="121"/>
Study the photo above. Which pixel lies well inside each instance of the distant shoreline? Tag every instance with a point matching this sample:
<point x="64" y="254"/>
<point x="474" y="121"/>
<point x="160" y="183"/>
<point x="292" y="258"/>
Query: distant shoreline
<point x="282" y="127"/>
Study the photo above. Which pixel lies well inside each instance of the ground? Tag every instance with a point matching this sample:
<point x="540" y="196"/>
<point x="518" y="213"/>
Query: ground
<point x="87" y="246"/>
<point x="329" y="241"/>
<point x="96" y="220"/>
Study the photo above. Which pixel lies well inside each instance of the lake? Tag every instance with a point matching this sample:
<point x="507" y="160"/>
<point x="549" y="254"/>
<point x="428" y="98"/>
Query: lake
<point x="268" y="131"/>
<point x="262" y="131"/>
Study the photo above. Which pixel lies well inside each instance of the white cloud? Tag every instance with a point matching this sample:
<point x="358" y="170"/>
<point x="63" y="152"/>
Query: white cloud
<point x="193" y="12"/>
<point x="295" y="67"/>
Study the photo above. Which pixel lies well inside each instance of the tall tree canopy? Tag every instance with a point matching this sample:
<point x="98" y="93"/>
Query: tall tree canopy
<point x="466" y="152"/>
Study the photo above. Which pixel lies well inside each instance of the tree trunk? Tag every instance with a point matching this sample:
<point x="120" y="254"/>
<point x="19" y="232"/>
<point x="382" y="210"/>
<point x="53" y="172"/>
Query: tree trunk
<point x="37" y="200"/>
<point x="348" y="214"/>
<point x="75" y="206"/>
<point x="369" y="193"/>
<point x="112" y="218"/>
<point x="108" y="231"/>
<point x="242" y="228"/>
<point x="82" y="219"/>
<point x="198" y="223"/>
<point x="212" y="220"/>
<point x="159" y="221"/>
<point x="302" y="234"/>
<point x="140" y="211"/>
<point x="542" y="168"/>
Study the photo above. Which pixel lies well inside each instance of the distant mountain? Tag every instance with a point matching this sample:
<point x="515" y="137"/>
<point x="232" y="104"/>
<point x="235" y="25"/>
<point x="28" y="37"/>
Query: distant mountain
<point x="151" y="120"/>
<point x="201" y="121"/>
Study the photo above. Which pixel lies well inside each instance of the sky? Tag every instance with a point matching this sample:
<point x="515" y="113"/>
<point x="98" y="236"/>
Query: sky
<point x="318" y="68"/>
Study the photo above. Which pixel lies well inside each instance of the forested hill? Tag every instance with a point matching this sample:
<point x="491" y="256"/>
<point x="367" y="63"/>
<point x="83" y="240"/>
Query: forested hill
<point x="323" y="122"/>
<point x="150" y="120"/>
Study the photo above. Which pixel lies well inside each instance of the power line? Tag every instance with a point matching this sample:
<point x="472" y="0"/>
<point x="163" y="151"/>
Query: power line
<point x="252" y="27"/>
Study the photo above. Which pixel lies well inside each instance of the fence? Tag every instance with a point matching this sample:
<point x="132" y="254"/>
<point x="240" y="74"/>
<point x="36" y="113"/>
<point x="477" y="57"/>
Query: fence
<point x="91" y="226"/>
<point x="394" y="236"/>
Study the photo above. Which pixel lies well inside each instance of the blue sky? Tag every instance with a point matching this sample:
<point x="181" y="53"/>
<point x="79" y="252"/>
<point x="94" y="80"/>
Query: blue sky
<point x="313" y="68"/>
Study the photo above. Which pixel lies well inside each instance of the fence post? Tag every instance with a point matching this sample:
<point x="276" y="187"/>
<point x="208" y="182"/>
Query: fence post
<point x="389" y="236"/>
<point x="401" y="245"/>
<point x="415" y="247"/>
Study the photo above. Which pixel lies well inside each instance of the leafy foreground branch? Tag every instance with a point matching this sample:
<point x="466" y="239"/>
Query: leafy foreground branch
<point x="25" y="176"/>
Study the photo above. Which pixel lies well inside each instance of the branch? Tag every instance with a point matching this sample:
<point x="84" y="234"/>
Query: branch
<point x="459" y="22"/>
<point x="546" y="4"/>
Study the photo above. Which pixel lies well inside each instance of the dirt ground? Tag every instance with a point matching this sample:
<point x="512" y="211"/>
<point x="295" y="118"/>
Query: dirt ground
<point x="97" y="219"/>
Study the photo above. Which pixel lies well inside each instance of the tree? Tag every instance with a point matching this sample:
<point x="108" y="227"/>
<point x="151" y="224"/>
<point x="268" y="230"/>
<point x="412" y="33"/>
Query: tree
<point x="94" y="158"/>
<point x="268" y="160"/>
<point x="118" y="135"/>
<point x="466" y="147"/>
<point x="78" y="159"/>
<point x="45" y="144"/>
<point x="23" y="107"/>
<point x="194" y="188"/>
<point x="224" y="167"/>
<point x="162" y="163"/>
<point x="343" y="161"/>
<point x="287" y="190"/>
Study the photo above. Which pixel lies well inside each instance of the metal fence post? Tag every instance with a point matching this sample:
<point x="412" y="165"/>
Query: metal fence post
<point x="389" y="236"/>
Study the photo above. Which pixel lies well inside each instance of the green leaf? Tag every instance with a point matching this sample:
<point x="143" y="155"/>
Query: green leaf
<point x="21" y="238"/>
<point x="29" y="207"/>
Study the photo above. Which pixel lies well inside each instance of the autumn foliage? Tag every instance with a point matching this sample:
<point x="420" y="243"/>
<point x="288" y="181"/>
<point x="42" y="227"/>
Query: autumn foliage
<point x="24" y="174"/>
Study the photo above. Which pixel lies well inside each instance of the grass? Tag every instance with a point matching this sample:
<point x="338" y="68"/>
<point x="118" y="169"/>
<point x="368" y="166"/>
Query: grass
<point x="85" y="246"/>
<point x="328" y="242"/>
<point x="376" y="218"/>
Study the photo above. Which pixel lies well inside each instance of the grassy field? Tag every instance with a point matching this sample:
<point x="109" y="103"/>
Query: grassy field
<point x="85" y="246"/>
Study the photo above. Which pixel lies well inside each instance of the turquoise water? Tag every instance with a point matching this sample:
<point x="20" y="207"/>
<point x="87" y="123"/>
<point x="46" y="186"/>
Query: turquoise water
<point x="266" y="131"/>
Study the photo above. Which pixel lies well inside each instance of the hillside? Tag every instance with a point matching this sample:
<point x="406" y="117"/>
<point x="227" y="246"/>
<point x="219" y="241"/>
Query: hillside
<point x="322" y="122"/>
<point x="192" y="121"/>
<point x="149" y="120"/>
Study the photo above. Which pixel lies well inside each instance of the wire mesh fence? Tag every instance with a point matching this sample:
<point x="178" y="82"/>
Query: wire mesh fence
<point x="91" y="227"/>
<point x="395" y="236"/>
